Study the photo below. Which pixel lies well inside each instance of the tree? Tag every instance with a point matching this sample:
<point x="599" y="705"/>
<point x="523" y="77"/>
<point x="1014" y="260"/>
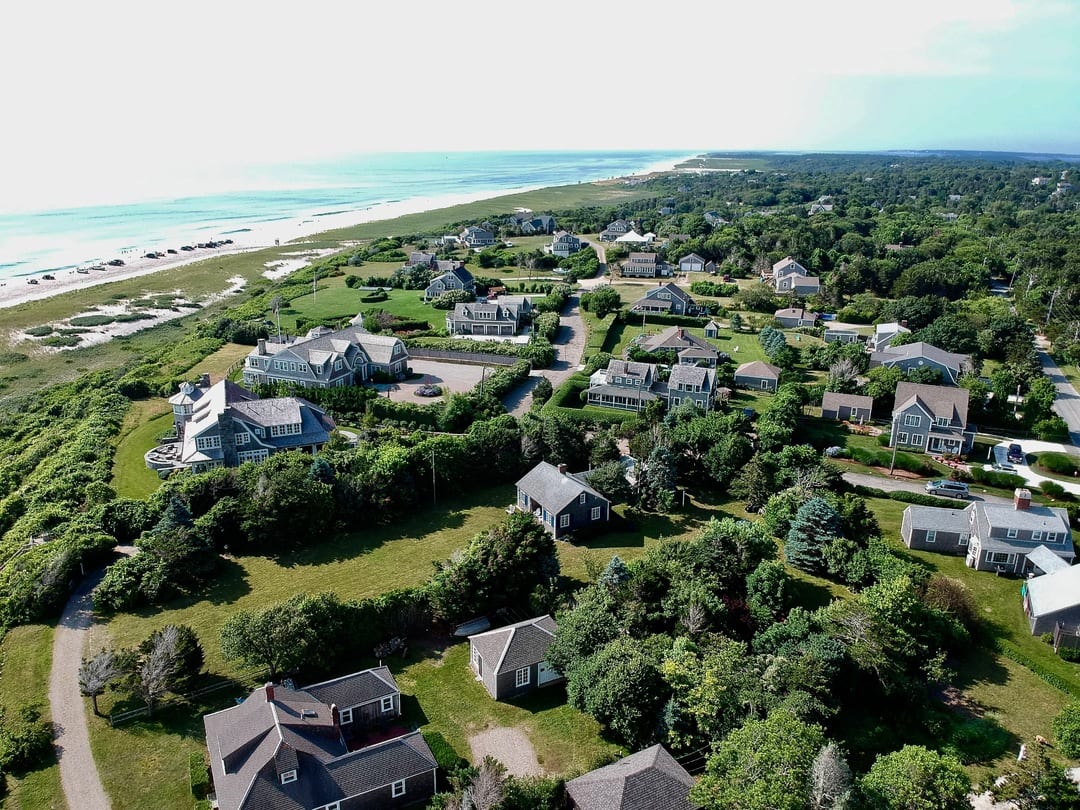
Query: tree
<point x="542" y="392"/>
<point x="655" y="486"/>
<point x="830" y="780"/>
<point x="615" y="575"/>
<point x="915" y="778"/>
<point x="187" y="652"/>
<point x="154" y="672"/>
<point x="1036" y="783"/>
<point x="488" y="787"/>
<point x="96" y="674"/>
<point x="609" y="479"/>
<point x="814" y="524"/>
<point x="585" y="629"/>
<point x="768" y="592"/>
<point x="762" y="765"/>
<point x="272" y="637"/>
<point x="736" y="322"/>
<point x="602" y="300"/>
<point x="1066" y="727"/>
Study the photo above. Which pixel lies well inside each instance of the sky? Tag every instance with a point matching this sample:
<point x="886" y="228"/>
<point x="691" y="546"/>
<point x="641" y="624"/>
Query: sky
<point x="137" y="97"/>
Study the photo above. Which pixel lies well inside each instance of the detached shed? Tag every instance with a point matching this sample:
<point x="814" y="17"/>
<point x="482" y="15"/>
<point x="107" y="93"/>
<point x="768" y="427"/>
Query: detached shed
<point x="758" y="375"/>
<point x="850" y="407"/>
<point x="1052" y="605"/>
<point x="509" y="661"/>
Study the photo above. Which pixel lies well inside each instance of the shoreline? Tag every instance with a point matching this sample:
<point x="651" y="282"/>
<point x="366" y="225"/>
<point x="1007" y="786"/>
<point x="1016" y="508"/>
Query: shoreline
<point x="16" y="290"/>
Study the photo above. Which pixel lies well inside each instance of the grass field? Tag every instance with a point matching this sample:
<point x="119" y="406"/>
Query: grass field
<point x="25" y="659"/>
<point x="336" y="302"/>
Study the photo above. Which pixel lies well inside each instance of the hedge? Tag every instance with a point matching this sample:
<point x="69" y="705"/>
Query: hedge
<point x="883" y="458"/>
<point x="900" y="495"/>
<point x="1011" y="651"/>
<point x="1059" y="463"/>
<point x="661" y="320"/>
<point x="569" y="391"/>
<point x="996" y="479"/>
<point x="198" y="776"/>
<point x="444" y="753"/>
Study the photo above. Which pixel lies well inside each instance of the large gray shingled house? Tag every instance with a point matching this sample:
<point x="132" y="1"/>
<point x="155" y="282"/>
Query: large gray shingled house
<point x="563" y="502"/>
<point x="297" y="749"/>
<point x="509" y="661"/>
<point x="931" y="418"/>
<point x="326" y="358"/>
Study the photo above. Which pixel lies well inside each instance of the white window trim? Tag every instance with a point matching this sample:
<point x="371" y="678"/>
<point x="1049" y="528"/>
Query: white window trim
<point x="387" y="704"/>
<point x="522" y="677"/>
<point x="912" y="420"/>
<point x="564" y="521"/>
<point x="1051" y="537"/>
<point x="596" y="513"/>
<point x="581" y="498"/>
<point x="288" y="777"/>
<point x="901" y="438"/>
<point x="1012" y="534"/>
<point x="397" y="788"/>
<point x="964" y="538"/>
<point x="990" y="555"/>
<point x="931" y="535"/>
<point x="346" y="716"/>
<point x="1036" y="535"/>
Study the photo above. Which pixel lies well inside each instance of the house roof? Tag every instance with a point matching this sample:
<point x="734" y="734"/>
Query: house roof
<point x="692" y="257"/>
<point x="648" y="780"/>
<point x="936" y="400"/>
<point x="519" y="645"/>
<point x="690" y="375"/>
<point x="632" y="236"/>
<point x="1034" y="518"/>
<point x="187" y="395"/>
<point x="355" y="689"/>
<point x="796" y="312"/>
<point x="553" y="489"/>
<point x="713" y="325"/>
<point x="636" y="392"/>
<point x="758" y="369"/>
<point x="501" y="311"/>
<point x="380" y="348"/>
<point x="832" y="401"/>
<point x="672" y="289"/>
<point x="939" y="519"/>
<point x="890" y="328"/>
<point x="271" y="732"/>
<point x="629" y="368"/>
<point x="1046" y="561"/>
<point x="1055" y="591"/>
<point x="787" y="266"/>
<point x="678" y="338"/>
<point x="419" y="257"/>
<point x="924" y="350"/>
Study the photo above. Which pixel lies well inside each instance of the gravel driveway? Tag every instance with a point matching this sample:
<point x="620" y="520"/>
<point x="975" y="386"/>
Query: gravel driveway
<point x="569" y="347"/>
<point x="508" y="745"/>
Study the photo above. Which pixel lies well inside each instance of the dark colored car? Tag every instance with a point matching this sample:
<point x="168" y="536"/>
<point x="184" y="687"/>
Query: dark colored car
<point x="1015" y="454"/>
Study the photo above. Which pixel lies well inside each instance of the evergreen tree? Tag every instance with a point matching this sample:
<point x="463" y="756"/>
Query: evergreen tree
<point x="814" y="525"/>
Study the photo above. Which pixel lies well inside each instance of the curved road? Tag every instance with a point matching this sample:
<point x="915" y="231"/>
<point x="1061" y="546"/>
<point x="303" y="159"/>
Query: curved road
<point x="1067" y="401"/>
<point x="905" y="485"/>
<point x="78" y="772"/>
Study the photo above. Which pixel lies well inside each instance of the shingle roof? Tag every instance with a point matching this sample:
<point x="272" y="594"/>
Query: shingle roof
<point x="553" y="489"/>
<point x="831" y="401"/>
<point x="919" y="349"/>
<point x="692" y="257"/>
<point x="937" y="400"/>
<point x="1047" y="561"/>
<point x="648" y="780"/>
<point x="678" y="338"/>
<point x="355" y="689"/>
<point x="796" y="312"/>
<point x="510" y="648"/>
<point x="758" y="369"/>
<point x="630" y="368"/>
<point x="939" y="519"/>
<point x="1053" y="592"/>
<point x="690" y="375"/>
<point x="380" y="348"/>
<point x="787" y="266"/>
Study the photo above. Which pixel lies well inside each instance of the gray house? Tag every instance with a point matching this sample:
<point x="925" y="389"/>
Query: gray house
<point x="630" y="386"/>
<point x="688" y="347"/>
<point x="788" y="276"/>
<point x="510" y="661"/>
<point x="758" y="375"/>
<point x="563" y="502"/>
<point x="614" y="230"/>
<point x="883" y="335"/>
<point x="225" y="425"/>
<point x="648" y="780"/>
<point x="840" y="336"/>
<point x="422" y="259"/>
<point x="644" y="265"/>
<point x="794" y="317"/>
<point x="993" y="537"/>
<point x="849" y="407"/>
<point x="326" y="358"/>
<point x="712" y="329"/>
<point x="502" y="317"/>
<point x="475" y="237"/>
<point x="363" y="700"/>
<point x="285" y="748"/>
<point x="666" y="299"/>
<point x="454" y="278"/>
<point x="931" y="418"/>
<point x="912" y="356"/>
<point x="563" y="244"/>
<point x="1052" y="605"/>
<point x="692" y="263"/>
<point x="694" y="383"/>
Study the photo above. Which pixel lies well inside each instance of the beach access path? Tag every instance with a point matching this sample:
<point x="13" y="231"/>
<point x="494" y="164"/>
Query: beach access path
<point x="71" y="737"/>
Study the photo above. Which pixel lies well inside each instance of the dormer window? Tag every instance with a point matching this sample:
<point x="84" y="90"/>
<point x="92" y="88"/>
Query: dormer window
<point x="288" y="776"/>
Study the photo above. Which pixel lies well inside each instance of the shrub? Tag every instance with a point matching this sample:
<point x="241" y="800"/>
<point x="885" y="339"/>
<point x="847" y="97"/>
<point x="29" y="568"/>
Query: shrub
<point x="1054" y="490"/>
<point x="1059" y="463"/>
<point x="39" y="331"/>
<point x="25" y="740"/>
<point x="1070" y="654"/>
<point x="444" y="753"/>
<point x="1066" y="728"/>
<point x="993" y="478"/>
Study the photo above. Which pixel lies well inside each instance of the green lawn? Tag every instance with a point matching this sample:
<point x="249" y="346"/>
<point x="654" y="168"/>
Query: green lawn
<point x="26" y="656"/>
<point x="450" y="700"/>
<point x="335" y="302"/>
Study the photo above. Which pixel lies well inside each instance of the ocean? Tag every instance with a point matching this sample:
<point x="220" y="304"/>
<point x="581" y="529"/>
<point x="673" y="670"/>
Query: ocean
<point x="300" y="193"/>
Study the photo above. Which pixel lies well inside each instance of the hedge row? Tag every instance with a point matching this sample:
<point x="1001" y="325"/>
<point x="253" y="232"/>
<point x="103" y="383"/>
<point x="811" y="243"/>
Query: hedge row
<point x="900" y="495"/>
<point x="883" y="458"/>
<point x="1011" y="651"/>
<point x="661" y="320"/>
<point x="996" y="479"/>
<point x="198" y="775"/>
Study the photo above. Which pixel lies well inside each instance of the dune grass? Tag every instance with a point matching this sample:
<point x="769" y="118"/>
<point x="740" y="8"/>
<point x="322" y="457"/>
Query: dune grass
<point x="25" y="660"/>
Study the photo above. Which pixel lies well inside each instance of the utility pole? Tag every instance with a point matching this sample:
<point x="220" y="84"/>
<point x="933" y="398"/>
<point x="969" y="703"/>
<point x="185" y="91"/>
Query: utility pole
<point x="1050" y="309"/>
<point x="432" y="476"/>
<point x="892" y="462"/>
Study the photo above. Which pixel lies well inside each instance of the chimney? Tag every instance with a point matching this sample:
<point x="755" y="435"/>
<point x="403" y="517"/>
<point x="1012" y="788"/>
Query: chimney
<point x="1022" y="499"/>
<point x="682" y="333"/>
<point x="562" y="469"/>
<point x="262" y="346"/>
<point x="269" y="693"/>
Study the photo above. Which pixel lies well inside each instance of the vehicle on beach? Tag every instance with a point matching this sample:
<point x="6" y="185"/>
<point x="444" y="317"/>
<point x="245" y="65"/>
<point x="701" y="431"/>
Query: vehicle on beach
<point x="31" y="281"/>
<point x="82" y="269"/>
<point x="948" y="489"/>
<point x="172" y="251"/>
<point x="115" y="263"/>
<point x="48" y="277"/>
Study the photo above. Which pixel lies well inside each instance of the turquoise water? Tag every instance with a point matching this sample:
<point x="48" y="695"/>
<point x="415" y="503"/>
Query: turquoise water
<point x="42" y="241"/>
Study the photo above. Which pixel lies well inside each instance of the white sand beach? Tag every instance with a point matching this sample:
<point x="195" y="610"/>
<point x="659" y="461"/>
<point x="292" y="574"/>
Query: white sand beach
<point x="15" y="291"/>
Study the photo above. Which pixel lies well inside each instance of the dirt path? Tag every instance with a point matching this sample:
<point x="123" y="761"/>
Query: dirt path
<point x="508" y="745"/>
<point x="78" y="773"/>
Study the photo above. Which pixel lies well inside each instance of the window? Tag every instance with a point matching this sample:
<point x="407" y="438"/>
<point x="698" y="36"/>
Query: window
<point x="397" y="789"/>
<point x="287" y="777"/>
<point x="1036" y="535"/>
<point x="964" y="538"/>
<point x="912" y="420"/>
<point x="387" y="704"/>
<point x="764" y="385"/>
<point x="675" y="401"/>
<point x="901" y="438"/>
<point x="581" y="498"/>
<point x="243" y="438"/>
<point x="943" y="421"/>
<point x="207" y="442"/>
<point x="931" y="536"/>
<point x="1011" y="533"/>
<point x="564" y="521"/>
<point x="521" y="677"/>
<point x="596" y="513"/>
<point x="998" y="557"/>
<point x="1051" y="537"/>
<point x="252" y="455"/>
<point x="346" y="717"/>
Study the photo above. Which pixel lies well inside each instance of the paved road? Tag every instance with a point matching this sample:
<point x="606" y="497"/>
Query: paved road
<point x="78" y="772"/>
<point x="903" y="484"/>
<point x="1067" y="403"/>
<point x="569" y="346"/>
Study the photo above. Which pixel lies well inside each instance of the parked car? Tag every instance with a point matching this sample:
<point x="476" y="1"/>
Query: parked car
<point x="948" y="489"/>
<point x="1015" y="454"/>
<point x="1008" y="468"/>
